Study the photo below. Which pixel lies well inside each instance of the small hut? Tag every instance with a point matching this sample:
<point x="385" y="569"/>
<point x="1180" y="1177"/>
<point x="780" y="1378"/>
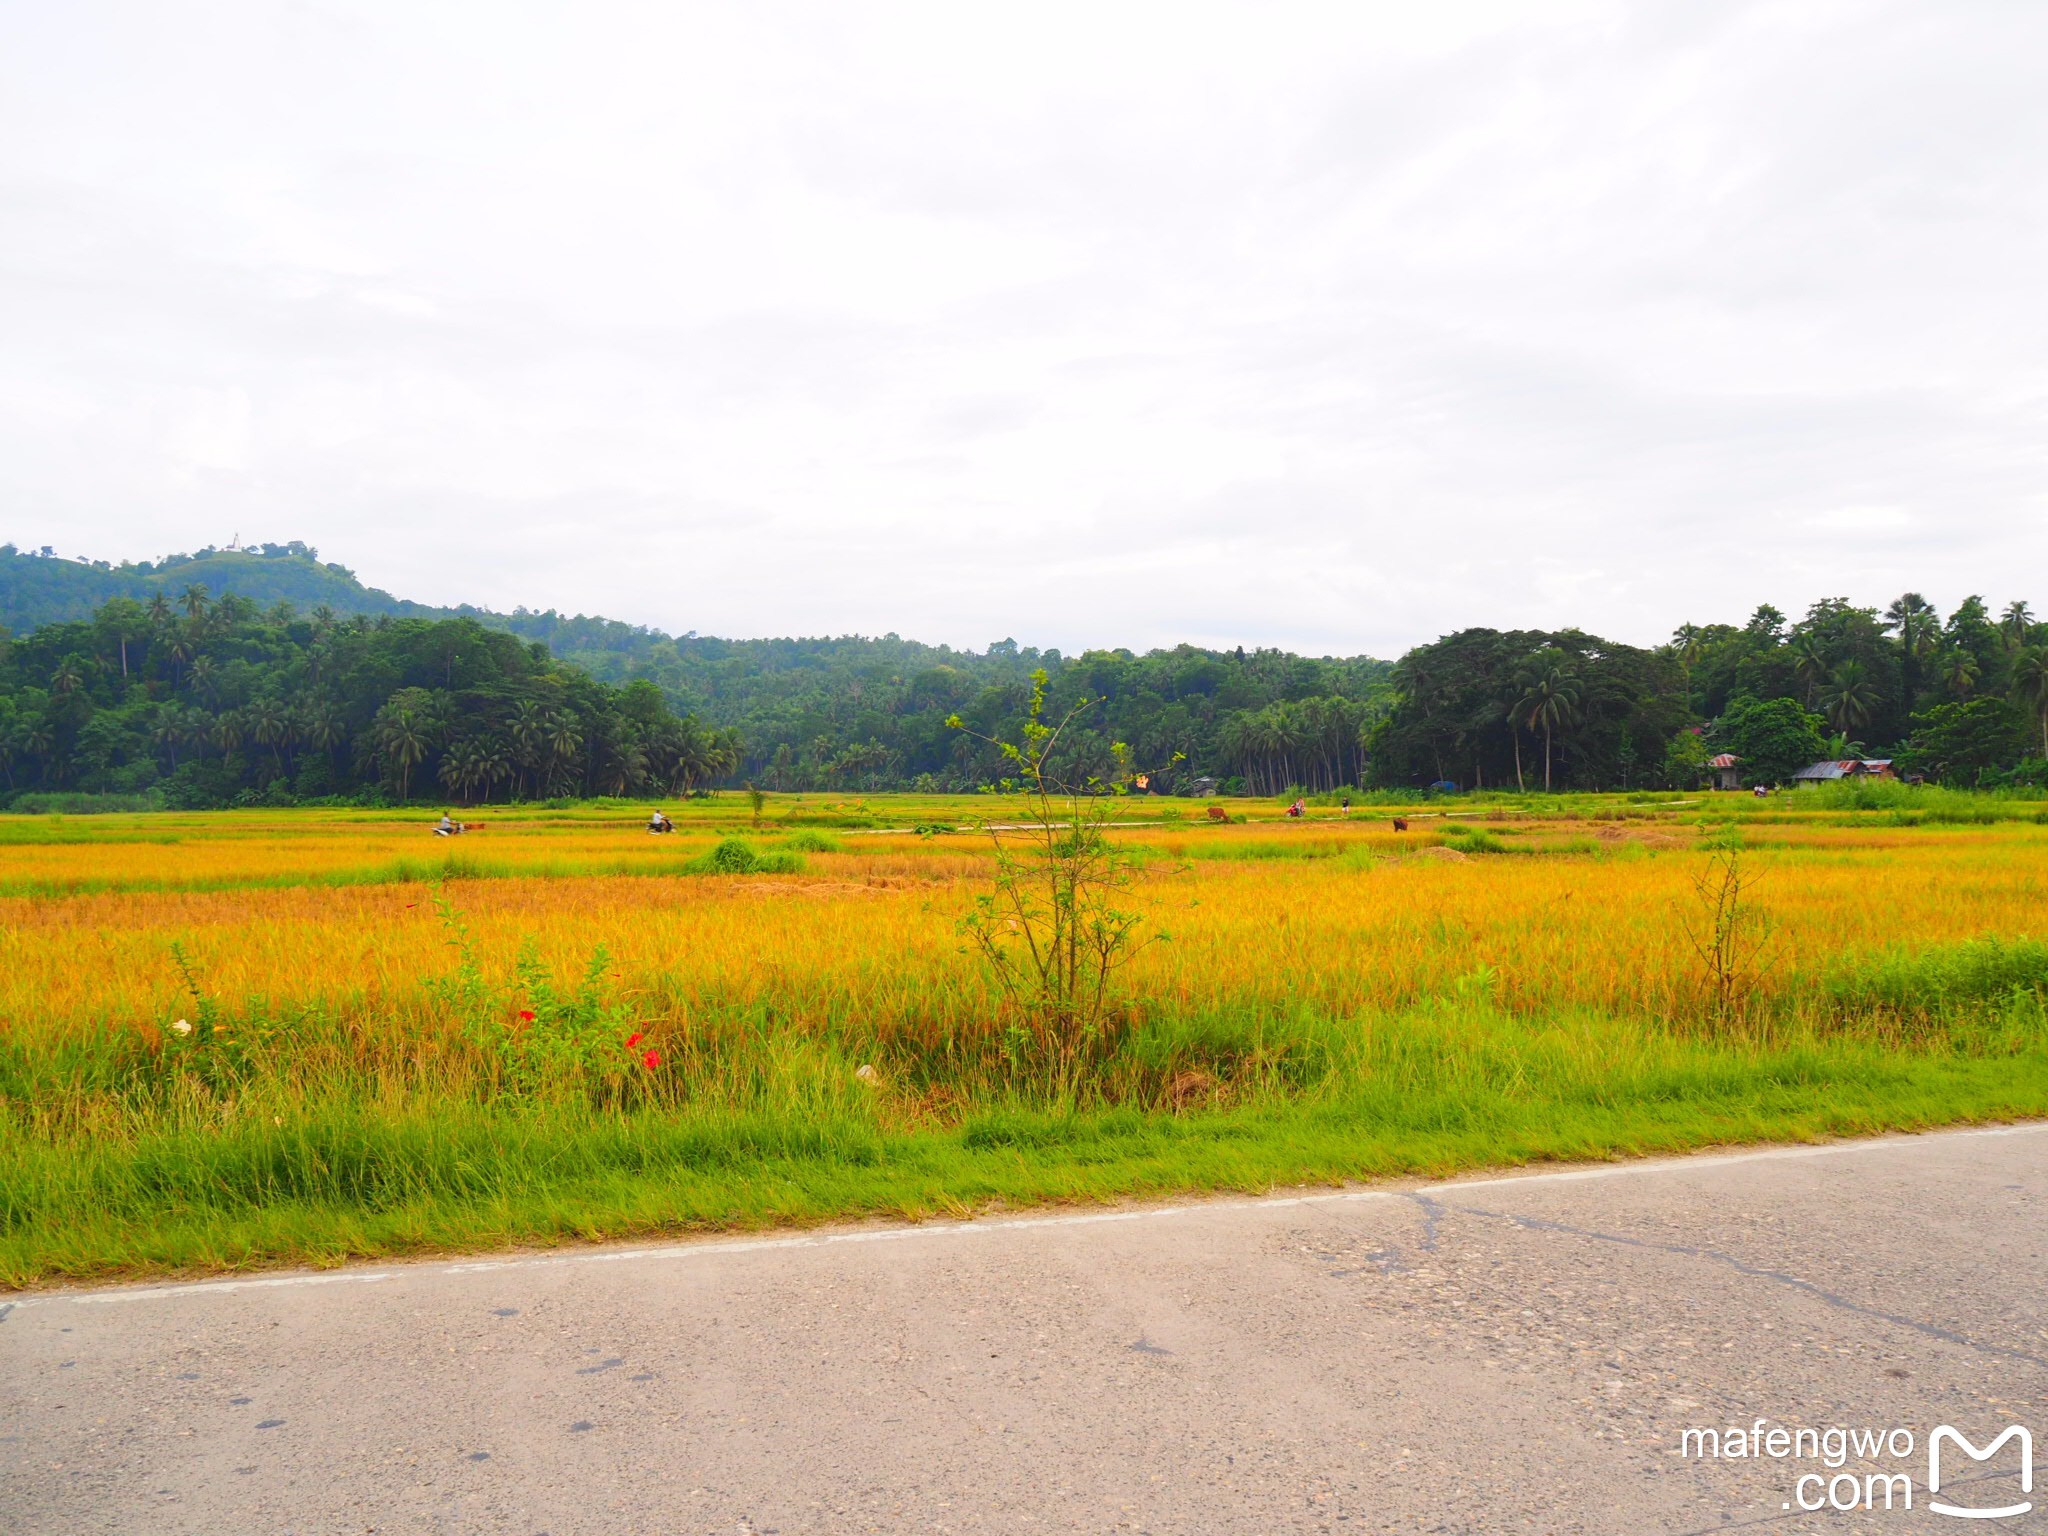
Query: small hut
<point x="1836" y="769"/>
<point x="1727" y="775"/>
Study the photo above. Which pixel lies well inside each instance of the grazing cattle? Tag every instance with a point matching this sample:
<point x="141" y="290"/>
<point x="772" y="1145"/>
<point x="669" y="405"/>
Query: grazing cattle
<point x="1217" y="813"/>
<point x="1400" y="823"/>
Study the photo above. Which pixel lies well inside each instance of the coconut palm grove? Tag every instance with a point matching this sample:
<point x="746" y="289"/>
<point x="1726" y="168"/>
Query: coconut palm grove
<point x="262" y="676"/>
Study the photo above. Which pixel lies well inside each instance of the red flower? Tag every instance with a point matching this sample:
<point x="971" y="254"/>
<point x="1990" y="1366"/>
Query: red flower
<point x="634" y="1039"/>
<point x="526" y="1015"/>
<point x="651" y="1060"/>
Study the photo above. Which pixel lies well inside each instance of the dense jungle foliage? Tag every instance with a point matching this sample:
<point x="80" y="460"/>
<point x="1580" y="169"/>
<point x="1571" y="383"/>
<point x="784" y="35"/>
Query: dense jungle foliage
<point x="290" y="680"/>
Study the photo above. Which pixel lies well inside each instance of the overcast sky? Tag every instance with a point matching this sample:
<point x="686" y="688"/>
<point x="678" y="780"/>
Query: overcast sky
<point x="1333" y="327"/>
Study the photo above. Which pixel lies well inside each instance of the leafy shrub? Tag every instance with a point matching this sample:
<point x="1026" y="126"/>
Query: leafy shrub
<point x="737" y="856"/>
<point x="1467" y="840"/>
<point x="808" y="841"/>
<point x="564" y="1040"/>
<point x="569" y="1039"/>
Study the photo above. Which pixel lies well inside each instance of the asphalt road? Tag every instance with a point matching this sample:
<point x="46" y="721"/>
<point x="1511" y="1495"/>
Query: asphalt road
<point x="1516" y="1354"/>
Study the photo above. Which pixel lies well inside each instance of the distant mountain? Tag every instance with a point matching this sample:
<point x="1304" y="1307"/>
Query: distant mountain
<point x="38" y="588"/>
<point x="848" y="710"/>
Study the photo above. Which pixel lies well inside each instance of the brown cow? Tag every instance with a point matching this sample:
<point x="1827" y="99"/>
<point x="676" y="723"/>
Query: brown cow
<point x="1217" y="813"/>
<point x="1400" y="823"/>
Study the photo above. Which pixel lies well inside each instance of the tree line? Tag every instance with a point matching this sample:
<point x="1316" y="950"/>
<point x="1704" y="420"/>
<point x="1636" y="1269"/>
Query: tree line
<point x="1961" y="699"/>
<point x="206" y="701"/>
<point x="209" y="702"/>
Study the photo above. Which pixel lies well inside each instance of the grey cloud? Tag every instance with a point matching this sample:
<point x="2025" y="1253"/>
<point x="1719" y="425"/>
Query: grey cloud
<point x="1335" y="327"/>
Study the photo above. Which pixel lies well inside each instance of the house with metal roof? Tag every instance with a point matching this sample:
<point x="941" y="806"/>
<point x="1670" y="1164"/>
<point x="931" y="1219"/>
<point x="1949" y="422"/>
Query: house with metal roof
<point x="1845" y="768"/>
<point x="1727" y="774"/>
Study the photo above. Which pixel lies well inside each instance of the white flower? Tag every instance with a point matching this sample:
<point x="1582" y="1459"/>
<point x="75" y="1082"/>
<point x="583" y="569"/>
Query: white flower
<point x="182" y="1027"/>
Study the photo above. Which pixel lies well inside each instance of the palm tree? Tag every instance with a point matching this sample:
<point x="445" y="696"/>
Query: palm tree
<point x="1687" y="644"/>
<point x="194" y="599"/>
<point x="159" y="610"/>
<point x="621" y="764"/>
<point x="200" y="676"/>
<point x="231" y="608"/>
<point x="1849" y="699"/>
<point x="1840" y="746"/>
<point x="684" y="751"/>
<point x="182" y="646"/>
<point x="492" y="762"/>
<point x="2014" y="623"/>
<point x="726" y="753"/>
<point x="1550" y="701"/>
<point x="123" y="620"/>
<point x="197" y="727"/>
<point x="404" y="739"/>
<point x="67" y="679"/>
<point x="2030" y="686"/>
<point x="1918" y="625"/>
<point x="560" y="742"/>
<point x="527" y="729"/>
<point x="325" y="727"/>
<point x="461" y="769"/>
<point x="167" y="732"/>
<point x="270" y="722"/>
<point x="37" y="738"/>
<point x="229" y="731"/>
<point x="1960" y="671"/>
<point x="1809" y="663"/>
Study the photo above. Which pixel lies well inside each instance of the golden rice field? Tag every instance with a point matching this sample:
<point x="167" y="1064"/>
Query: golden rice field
<point x="1334" y="999"/>
<point x="297" y="909"/>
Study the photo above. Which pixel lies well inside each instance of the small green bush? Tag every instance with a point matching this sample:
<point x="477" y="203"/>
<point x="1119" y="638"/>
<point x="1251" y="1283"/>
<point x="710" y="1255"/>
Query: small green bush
<point x="737" y="856"/>
<point x="1467" y="840"/>
<point x="807" y="841"/>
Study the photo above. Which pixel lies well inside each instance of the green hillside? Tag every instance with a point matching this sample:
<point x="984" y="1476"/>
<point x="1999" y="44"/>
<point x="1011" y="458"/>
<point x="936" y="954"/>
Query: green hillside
<point x="38" y="589"/>
<point x="119" y="677"/>
<point x="849" y="711"/>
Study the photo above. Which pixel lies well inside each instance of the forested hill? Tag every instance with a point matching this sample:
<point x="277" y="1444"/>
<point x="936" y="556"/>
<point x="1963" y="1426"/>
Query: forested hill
<point x="38" y="588"/>
<point x="267" y="676"/>
<point x="851" y="712"/>
<point x="716" y="677"/>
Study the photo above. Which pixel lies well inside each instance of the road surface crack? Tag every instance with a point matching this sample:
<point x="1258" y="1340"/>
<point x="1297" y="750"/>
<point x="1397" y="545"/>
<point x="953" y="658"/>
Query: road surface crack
<point x="1754" y="1272"/>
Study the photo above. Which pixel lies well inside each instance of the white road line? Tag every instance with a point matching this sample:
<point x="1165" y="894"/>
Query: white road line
<point x="971" y="1227"/>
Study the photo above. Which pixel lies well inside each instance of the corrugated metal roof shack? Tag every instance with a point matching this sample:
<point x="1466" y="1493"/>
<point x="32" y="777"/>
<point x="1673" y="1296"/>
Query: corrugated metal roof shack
<point x="1845" y="768"/>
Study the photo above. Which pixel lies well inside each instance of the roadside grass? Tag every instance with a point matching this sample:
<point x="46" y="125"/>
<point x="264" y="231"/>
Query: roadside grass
<point x="355" y="1173"/>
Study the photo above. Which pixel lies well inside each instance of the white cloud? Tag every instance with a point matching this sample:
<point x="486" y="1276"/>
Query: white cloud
<point x="1330" y="326"/>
